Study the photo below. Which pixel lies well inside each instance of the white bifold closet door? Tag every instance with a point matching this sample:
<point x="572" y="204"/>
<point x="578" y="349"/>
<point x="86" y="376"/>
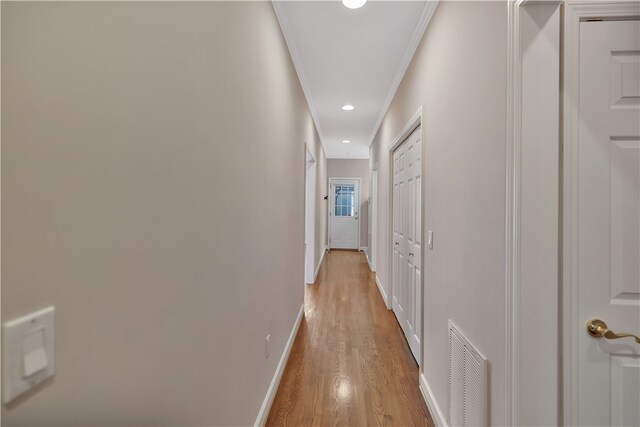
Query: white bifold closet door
<point x="407" y="239"/>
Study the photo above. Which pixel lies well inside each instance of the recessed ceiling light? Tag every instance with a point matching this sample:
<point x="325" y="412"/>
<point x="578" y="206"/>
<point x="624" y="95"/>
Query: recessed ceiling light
<point x="353" y="4"/>
<point x="347" y="107"/>
<point x="346" y="141"/>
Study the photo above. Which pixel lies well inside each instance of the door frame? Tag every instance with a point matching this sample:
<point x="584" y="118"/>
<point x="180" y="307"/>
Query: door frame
<point x="338" y="178"/>
<point x="576" y="12"/>
<point x="310" y="167"/>
<point x="523" y="330"/>
<point x="412" y="124"/>
<point x="533" y="116"/>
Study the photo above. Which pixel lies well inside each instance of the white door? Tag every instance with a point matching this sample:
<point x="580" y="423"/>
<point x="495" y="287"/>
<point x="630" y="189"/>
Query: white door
<point x="344" y="224"/>
<point x="608" y="223"/>
<point x="407" y="239"/>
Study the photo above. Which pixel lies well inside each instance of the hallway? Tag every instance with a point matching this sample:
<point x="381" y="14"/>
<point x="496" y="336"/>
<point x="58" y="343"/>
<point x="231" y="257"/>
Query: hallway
<point x="320" y="213"/>
<point x="350" y="364"/>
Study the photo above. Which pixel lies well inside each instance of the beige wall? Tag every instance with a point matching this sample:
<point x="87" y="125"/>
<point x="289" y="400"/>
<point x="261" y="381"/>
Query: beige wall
<point x="458" y="76"/>
<point x="152" y="184"/>
<point x="353" y="168"/>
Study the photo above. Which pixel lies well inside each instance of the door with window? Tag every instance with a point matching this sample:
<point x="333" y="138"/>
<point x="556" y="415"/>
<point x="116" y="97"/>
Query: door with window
<point x="344" y="219"/>
<point x="607" y="223"/>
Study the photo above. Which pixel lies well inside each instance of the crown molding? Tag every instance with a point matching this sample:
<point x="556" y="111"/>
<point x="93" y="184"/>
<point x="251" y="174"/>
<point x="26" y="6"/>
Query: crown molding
<point x="285" y="26"/>
<point x="423" y="22"/>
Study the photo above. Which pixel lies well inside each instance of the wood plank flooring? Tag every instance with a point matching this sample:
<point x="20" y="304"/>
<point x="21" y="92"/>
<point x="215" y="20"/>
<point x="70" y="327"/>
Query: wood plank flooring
<point x="350" y="364"/>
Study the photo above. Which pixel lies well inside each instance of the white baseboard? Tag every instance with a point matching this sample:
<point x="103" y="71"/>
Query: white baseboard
<point x="434" y="409"/>
<point x="275" y="382"/>
<point x="382" y="292"/>
<point x="366" y="255"/>
<point x="363" y="249"/>
<point x="315" y="275"/>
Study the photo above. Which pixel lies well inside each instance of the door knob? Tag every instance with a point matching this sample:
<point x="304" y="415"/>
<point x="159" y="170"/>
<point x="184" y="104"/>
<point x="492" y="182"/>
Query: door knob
<point x="598" y="329"/>
<point x="396" y="243"/>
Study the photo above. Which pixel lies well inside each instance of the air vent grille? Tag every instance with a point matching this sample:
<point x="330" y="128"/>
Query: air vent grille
<point x="468" y="382"/>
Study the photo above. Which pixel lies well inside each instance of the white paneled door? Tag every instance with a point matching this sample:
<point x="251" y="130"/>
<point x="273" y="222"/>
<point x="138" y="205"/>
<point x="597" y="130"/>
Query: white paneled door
<point x="407" y="239"/>
<point x="344" y="223"/>
<point x="608" y="224"/>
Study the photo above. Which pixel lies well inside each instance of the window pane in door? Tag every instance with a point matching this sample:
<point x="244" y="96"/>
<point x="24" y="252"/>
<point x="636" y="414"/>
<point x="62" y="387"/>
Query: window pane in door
<point x="344" y="200"/>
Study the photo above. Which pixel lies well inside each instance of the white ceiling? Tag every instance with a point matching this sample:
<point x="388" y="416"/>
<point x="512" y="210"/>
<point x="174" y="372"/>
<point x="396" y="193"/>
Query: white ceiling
<point x="356" y="57"/>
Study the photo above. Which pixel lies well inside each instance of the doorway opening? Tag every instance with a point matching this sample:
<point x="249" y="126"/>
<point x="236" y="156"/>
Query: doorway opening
<point x="309" y="216"/>
<point x="373" y="220"/>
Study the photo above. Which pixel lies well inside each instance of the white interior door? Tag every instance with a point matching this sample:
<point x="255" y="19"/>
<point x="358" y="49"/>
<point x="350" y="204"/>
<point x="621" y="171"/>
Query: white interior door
<point x="407" y="239"/>
<point x="344" y="223"/>
<point x="608" y="223"/>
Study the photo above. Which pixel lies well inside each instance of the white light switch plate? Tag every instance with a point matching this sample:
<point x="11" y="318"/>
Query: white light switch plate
<point x="28" y="359"/>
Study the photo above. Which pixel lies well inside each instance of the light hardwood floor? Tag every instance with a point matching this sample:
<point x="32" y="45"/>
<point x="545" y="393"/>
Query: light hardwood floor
<point x="350" y="364"/>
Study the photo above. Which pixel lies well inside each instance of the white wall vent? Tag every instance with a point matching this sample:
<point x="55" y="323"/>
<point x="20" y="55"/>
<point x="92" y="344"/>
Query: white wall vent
<point x="468" y="382"/>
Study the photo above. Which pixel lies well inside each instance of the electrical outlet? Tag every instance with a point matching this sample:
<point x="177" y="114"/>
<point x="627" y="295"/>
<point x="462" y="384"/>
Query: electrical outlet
<point x="267" y="345"/>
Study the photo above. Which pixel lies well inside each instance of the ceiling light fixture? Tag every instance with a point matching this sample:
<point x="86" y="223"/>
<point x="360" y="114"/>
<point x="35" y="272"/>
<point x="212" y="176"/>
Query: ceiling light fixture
<point x="353" y="4"/>
<point x="347" y="107"/>
<point x="346" y="141"/>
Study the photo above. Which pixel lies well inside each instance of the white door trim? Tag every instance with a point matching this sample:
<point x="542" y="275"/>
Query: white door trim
<point x="514" y="141"/>
<point x="533" y="128"/>
<point x="337" y="178"/>
<point x="412" y="124"/>
<point x="574" y="13"/>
